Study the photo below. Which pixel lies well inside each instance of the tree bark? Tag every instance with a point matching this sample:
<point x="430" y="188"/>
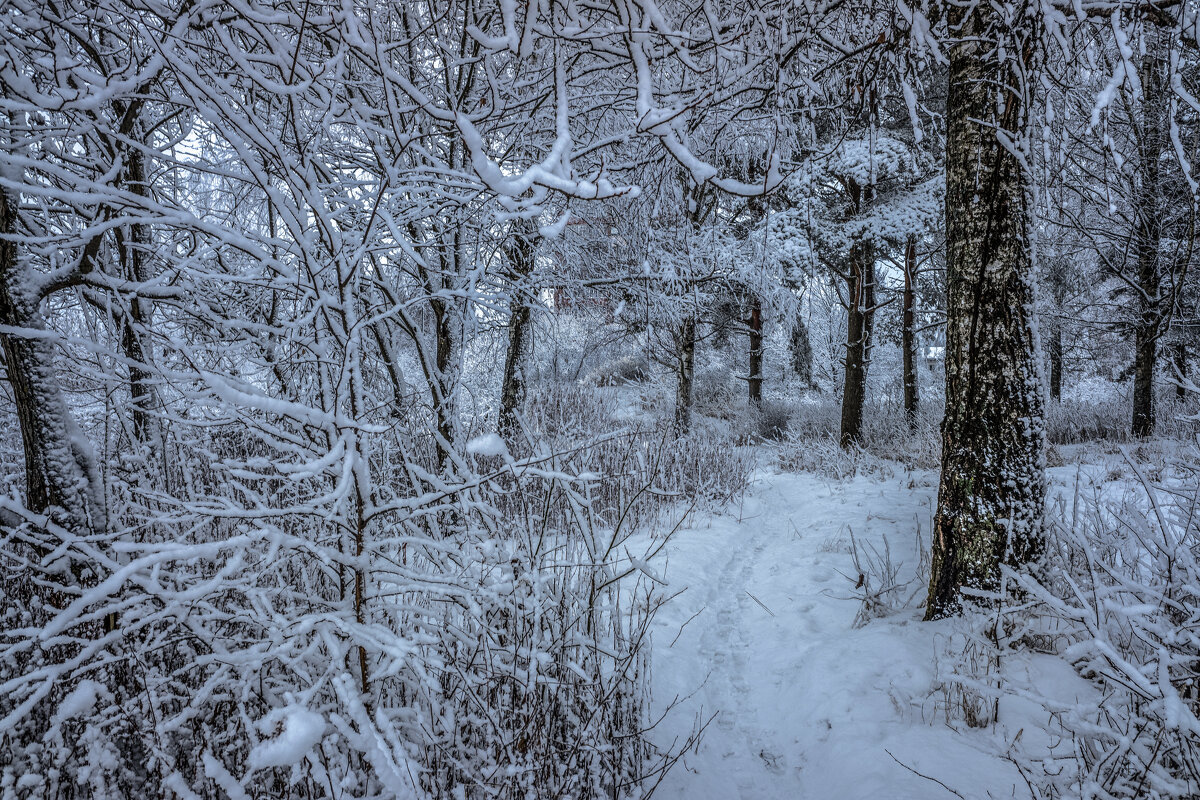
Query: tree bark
<point x="443" y="318"/>
<point x="60" y="472"/>
<point x="685" y="365"/>
<point x="801" y="351"/>
<point x="1056" y="360"/>
<point x="134" y="254"/>
<point x="992" y="490"/>
<point x="755" y="377"/>
<point x="859" y="321"/>
<point x="1147" y="234"/>
<point x="1181" y="370"/>
<point x="908" y="334"/>
<point x="521" y="252"/>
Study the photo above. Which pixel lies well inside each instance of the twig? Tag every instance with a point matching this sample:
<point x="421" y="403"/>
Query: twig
<point x="922" y="775"/>
<point x="760" y="602"/>
<point x="684" y="625"/>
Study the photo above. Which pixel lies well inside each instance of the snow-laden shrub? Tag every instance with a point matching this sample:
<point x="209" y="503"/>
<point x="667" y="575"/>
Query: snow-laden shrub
<point x="540" y="690"/>
<point x="827" y="458"/>
<point x="1118" y="596"/>
<point x="266" y="635"/>
<point x="716" y="391"/>
<point x="967" y="679"/>
<point x="770" y="421"/>
<point x="888" y="436"/>
<point x="1106" y="416"/>
<point x="880" y="584"/>
<point x="621" y="370"/>
<point x="562" y="411"/>
<point x="644" y="463"/>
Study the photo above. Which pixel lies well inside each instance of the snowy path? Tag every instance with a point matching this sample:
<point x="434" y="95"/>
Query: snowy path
<point x="806" y="705"/>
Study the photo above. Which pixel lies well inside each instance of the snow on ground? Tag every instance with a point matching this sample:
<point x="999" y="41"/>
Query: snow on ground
<point x="807" y="705"/>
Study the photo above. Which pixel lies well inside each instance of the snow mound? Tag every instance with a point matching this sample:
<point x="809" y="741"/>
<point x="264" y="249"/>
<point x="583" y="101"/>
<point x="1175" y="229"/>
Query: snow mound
<point x="297" y="731"/>
<point x="489" y="444"/>
<point x="80" y="701"/>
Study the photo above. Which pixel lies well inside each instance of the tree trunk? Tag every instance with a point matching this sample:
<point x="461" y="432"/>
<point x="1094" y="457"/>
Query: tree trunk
<point x="1146" y="236"/>
<point x="521" y="251"/>
<point x="908" y="333"/>
<point x="992" y="491"/>
<point x="859" y="320"/>
<point x="60" y="472"/>
<point x="443" y="316"/>
<point x="1056" y="359"/>
<point x="755" y="379"/>
<point x="134" y="253"/>
<point x="685" y="355"/>
<point x="1181" y="370"/>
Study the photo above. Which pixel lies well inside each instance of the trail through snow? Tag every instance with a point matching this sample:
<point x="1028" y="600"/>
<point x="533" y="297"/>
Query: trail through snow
<point x="762" y="636"/>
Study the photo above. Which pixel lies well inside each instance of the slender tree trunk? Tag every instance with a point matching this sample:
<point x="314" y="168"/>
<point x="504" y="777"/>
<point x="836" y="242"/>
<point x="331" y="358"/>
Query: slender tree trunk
<point x="1147" y="235"/>
<point x="908" y="333"/>
<point x="444" y="357"/>
<point x="1181" y="370"/>
<point x="135" y="254"/>
<point x="992" y="491"/>
<point x="685" y="354"/>
<point x="755" y="377"/>
<point x="1056" y="359"/>
<point x="859" y="320"/>
<point x="521" y="252"/>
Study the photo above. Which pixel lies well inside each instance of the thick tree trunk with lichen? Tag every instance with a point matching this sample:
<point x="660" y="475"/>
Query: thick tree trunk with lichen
<point x="60" y="472"/>
<point x="1147" y="234"/>
<point x="992" y="490"/>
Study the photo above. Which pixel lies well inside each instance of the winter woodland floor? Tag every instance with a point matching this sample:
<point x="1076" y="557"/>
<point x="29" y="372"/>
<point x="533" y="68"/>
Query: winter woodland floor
<point x="806" y="704"/>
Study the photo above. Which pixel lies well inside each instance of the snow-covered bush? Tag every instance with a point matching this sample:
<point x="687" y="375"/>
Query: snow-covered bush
<point x="716" y="391"/>
<point x="771" y="420"/>
<point x="622" y="370"/>
<point x="1122" y="582"/>
<point x="879" y="584"/>
<point x="1117" y="595"/>
<point x="642" y="469"/>
<point x="812" y="441"/>
<point x="488" y="642"/>
<point x="966" y="666"/>
<point x="1105" y="416"/>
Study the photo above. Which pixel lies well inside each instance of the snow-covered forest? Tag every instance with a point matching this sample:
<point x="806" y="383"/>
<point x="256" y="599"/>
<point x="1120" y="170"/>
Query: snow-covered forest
<point x="514" y="399"/>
